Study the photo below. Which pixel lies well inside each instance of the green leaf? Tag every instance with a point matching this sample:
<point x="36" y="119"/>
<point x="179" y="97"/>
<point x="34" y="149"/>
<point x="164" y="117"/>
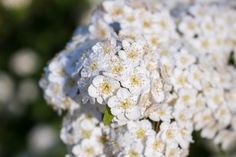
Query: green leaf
<point x="107" y="117"/>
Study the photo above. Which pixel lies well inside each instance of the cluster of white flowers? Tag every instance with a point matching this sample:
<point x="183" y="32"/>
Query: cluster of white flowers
<point x="143" y="76"/>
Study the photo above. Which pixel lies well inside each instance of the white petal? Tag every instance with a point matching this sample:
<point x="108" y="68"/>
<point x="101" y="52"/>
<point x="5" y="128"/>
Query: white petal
<point x="93" y="92"/>
<point x="76" y="150"/>
<point x="100" y="100"/>
<point x="154" y="116"/>
<point x="123" y="93"/>
<point x="133" y="113"/>
<point x="116" y="111"/>
<point x="158" y="96"/>
<point x="97" y="80"/>
<point x="115" y="84"/>
<point x="113" y="101"/>
<point x="122" y="55"/>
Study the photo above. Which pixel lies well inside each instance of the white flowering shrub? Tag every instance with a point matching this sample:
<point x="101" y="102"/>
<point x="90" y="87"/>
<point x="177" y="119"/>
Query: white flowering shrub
<point x="143" y="76"/>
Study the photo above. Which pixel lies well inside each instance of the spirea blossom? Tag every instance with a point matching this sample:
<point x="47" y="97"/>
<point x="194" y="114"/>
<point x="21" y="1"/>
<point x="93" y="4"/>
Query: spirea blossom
<point x="143" y="76"/>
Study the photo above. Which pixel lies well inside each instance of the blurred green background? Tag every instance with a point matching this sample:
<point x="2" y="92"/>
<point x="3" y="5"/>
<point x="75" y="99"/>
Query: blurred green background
<point x="36" y="30"/>
<point x="31" y="33"/>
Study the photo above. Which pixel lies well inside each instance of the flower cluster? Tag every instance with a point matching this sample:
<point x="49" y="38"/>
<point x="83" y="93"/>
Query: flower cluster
<point x="143" y="76"/>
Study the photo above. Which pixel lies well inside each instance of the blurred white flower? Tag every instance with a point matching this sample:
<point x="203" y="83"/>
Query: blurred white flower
<point x="41" y="139"/>
<point x="27" y="91"/>
<point x="16" y="4"/>
<point x="7" y="88"/>
<point x="24" y="62"/>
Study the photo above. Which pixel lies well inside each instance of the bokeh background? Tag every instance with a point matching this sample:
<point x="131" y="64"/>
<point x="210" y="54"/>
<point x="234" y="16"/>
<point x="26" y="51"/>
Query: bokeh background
<point x="31" y="33"/>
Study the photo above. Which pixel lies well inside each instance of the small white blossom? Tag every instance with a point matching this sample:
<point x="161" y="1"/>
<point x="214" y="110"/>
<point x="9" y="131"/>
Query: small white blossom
<point x="102" y="88"/>
<point x="154" y="146"/>
<point x="140" y="129"/>
<point x="124" y="103"/>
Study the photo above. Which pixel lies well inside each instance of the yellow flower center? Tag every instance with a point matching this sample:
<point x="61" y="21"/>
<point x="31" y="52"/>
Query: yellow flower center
<point x="216" y="99"/>
<point x="186" y="98"/>
<point x="103" y="33"/>
<point x="56" y="88"/>
<point x="106" y="49"/>
<point x="117" y="69"/>
<point x="163" y="23"/>
<point x="93" y="66"/>
<point x="85" y="133"/>
<point x="140" y="133"/>
<point x="105" y="88"/>
<point x="117" y="11"/>
<point x="132" y="55"/>
<point x="191" y="25"/>
<point x="183" y="60"/>
<point x="89" y="150"/>
<point x="181" y="80"/>
<point x="155" y="41"/>
<point x="134" y="80"/>
<point x="169" y="134"/>
<point x="205" y="44"/>
<point x="130" y="18"/>
<point x="133" y="153"/>
<point x="125" y="104"/>
<point x="156" y="145"/>
<point x="146" y="24"/>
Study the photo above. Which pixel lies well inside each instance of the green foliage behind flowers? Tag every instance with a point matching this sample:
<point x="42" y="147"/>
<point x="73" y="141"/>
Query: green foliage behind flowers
<point x="44" y="27"/>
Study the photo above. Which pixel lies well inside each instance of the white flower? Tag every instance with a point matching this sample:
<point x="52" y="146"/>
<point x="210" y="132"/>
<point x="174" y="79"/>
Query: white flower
<point x="223" y="115"/>
<point x="203" y="119"/>
<point x="168" y="131"/>
<point x="184" y="59"/>
<point x="7" y="84"/>
<point x="226" y="138"/>
<point x="187" y="97"/>
<point x="114" y="10"/>
<point x="102" y="88"/>
<point x="88" y="148"/>
<point x="199" y="105"/>
<point x="93" y="65"/>
<point x="179" y="79"/>
<point x="106" y="48"/>
<point x="140" y="129"/>
<point x="195" y="77"/>
<point x="135" y="150"/>
<point x="189" y="27"/>
<point x="157" y="90"/>
<point x="16" y="4"/>
<point x="215" y="98"/>
<point x="167" y="64"/>
<point x="147" y="21"/>
<point x="173" y="151"/>
<point x="184" y="136"/>
<point x="117" y="69"/>
<point x="208" y="25"/>
<point x="100" y="29"/>
<point x="162" y="112"/>
<point x="124" y="103"/>
<point x="210" y="130"/>
<point x="28" y="91"/>
<point x="37" y="144"/>
<point x="182" y="115"/>
<point x="203" y="44"/>
<point x="130" y="18"/>
<point x="154" y="146"/>
<point x="137" y="81"/>
<point x="132" y="53"/>
<point x="25" y="61"/>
